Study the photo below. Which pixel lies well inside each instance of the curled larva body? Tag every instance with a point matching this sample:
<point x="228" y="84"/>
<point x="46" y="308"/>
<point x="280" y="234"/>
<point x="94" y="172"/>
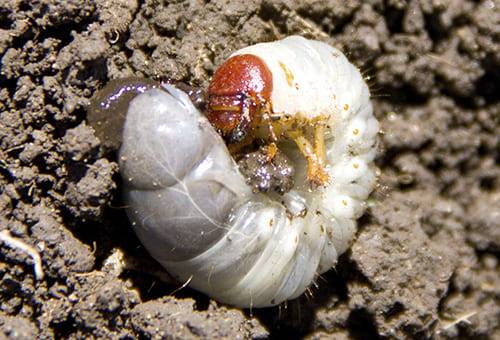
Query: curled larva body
<point x="196" y="215"/>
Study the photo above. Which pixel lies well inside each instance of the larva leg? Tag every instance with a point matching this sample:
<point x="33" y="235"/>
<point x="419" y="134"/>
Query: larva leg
<point x="271" y="151"/>
<point x="266" y="116"/>
<point x="319" y="143"/>
<point x="315" y="171"/>
<point x="320" y="148"/>
<point x="271" y="148"/>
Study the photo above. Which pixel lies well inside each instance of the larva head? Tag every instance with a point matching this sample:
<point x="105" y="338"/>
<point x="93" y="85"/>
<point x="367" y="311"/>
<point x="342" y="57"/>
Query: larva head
<point x="239" y="91"/>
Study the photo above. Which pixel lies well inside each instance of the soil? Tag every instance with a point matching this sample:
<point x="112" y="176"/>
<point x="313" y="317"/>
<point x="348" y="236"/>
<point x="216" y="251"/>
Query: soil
<point x="426" y="259"/>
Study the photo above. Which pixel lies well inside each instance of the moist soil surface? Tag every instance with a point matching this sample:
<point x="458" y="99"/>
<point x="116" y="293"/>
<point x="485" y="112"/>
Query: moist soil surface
<point x="425" y="262"/>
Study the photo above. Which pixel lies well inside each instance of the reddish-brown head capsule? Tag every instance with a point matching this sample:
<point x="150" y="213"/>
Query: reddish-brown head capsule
<point x="240" y="89"/>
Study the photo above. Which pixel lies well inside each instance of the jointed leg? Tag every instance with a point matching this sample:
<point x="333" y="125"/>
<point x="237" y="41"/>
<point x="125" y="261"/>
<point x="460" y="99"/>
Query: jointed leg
<point x="314" y="155"/>
<point x="319" y="143"/>
<point x="272" y="148"/>
<point x="320" y="148"/>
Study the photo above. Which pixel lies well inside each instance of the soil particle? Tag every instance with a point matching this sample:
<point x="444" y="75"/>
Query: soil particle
<point x="68" y="254"/>
<point x="484" y="222"/>
<point x="104" y="309"/>
<point x="16" y="328"/>
<point x="90" y="189"/>
<point x="474" y="312"/>
<point x="426" y="260"/>
<point x="405" y="274"/>
<point x="171" y="318"/>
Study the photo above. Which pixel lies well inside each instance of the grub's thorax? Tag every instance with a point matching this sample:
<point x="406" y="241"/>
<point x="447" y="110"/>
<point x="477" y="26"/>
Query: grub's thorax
<point x="238" y="94"/>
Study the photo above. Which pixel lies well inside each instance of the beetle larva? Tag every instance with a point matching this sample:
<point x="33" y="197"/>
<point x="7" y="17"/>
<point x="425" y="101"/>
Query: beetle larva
<point x="192" y="208"/>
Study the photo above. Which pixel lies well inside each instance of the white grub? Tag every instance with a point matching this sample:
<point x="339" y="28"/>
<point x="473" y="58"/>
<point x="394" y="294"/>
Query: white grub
<point x="15" y="243"/>
<point x="196" y="215"/>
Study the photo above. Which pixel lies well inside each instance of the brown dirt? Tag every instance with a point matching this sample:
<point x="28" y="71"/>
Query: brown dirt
<point x="426" y="259"/>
